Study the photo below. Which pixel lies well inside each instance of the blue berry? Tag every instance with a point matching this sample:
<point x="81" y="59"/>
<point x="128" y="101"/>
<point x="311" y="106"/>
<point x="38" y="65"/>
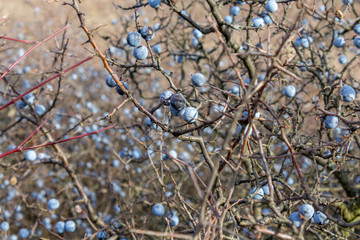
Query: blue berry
<point x="347" y="2"/>
<point x="331" y="122"/>
<point x="102" y="235"/>
<point x="60" y="227"/>
<point x="136" y="154"/>
<point x="158" y="209"/>
<point x="140" y="52"/>
<point x="116" y="162"/>
<point x="21" y="104"/>
<point x="235" y="10"/>
<point x="174" y="221"/>
<point x="348" y="93"/>
<point x="290" y="91"/>
<point x="267" y="19"/>
<point x="70" y="226"/>
<point x="175" y="112"/>
<point x="339" y="42"/>
<point x="5" y="226"/>
<point x="343" y="59"/>
<point x="357" y="28"/>
<point x="305" y="42"/>
<point x="13" y="237"/>
<point x="306" y="211"/>
<point x="133" y="39"/>
<point x="320" y="218"/>
<point x="190" y="115"/>
<point x="110" y="82"/>
<point x="198" y="79"/>
<point x="120" y="91"/>
<point x="229" y="19"/>
<point x="157" y="48"/>
<point x="195" y="42"/>
<point x="245" y="131"/>
<point x="147" y="33"/>
<point x="261" y="77"/>
<point x="157" y="26"/>
<point x="235" y="90"/>
<point x="298" y="42"/>
<point x="295" y="218"/>
<point x="178" y="101"/>
<point x="197" y="33"/>
<point x="241" y="3"/>
<point x="258" y="22"/>
<point x="40" y="109"/>
<point x="266" y="189"/>
<point x="24" y="233"/>
<point x="357" y="42"/>
<point x="166" y="95"/>
<point x="177" y="105"/>
<point x="271" y="6"/>
<point x="30" y="155"/>
<point x="53" y="204"/>
<point x="259" y="194"/>
<point x="154" y="3"/>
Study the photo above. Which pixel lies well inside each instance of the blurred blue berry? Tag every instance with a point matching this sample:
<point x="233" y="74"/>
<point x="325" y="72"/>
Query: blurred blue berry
<point x="53" y="204"/>
<point x="24" y="233"/>
<point x="357" y="28"/>
<point x="357" y="42"/>
<point x="343" y="59"/>
<point x="305" y="42"/>
<point x="158" y="209"/>
<point x="331" y="122"/>
<point x="347" y="2"/>
<point x="235" y="10"/>
<point x="40" y="109"/>
<point x="295" y="218"/>
<point x="154" y="3"/>
<point x="339" y="42"/>
<point x="102" y="235"/>
<point x="157" y="48"/>
<point x="258" y="22"/>
<point x="120" y="91"/>
<point x="197" y="33"/>
<point x="290" y="91"/>
<point x="190" y="115"/>
<point x="229" y="19"/>
<point x="5" y="226"/>
<point x="348" y="93"/>
<point x="271" y="6"/>
<point x="70" y="226"/>
<point x="60" y="227"/>
<point x="198" y="79"/>
<point x="259" y="194"/>
<point x="30" y="155"/>
<point x="267" y="19"/>
<point x="174" y="221"/>
<point x="306" y="211"/>
<point x="320" y="218"/>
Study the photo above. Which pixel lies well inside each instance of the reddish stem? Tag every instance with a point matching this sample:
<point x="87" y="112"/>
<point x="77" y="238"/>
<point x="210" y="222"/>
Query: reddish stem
<point x="45" y="82"/>
<point x="55" y="142"/>
<point x="31" y="49"/>
<point x="16" y="40"/>
<point x="32" y="134"/>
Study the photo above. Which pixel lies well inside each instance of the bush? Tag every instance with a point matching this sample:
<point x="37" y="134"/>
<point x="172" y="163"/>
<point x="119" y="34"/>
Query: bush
<point x="268" y="149"/>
